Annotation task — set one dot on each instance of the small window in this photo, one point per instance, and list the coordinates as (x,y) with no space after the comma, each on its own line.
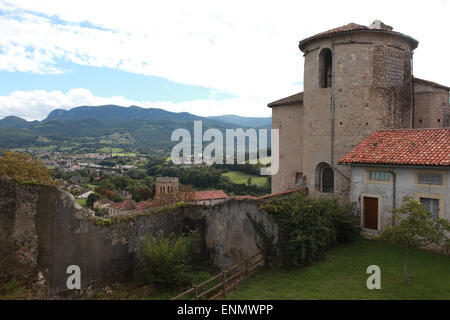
(379,175)
(327,180)
(431,178)
(431,205)
(325,68)
(324,178)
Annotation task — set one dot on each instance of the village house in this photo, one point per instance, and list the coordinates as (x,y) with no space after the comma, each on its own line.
(102,204)
(168,192)
(209,197)
(120,208)
(392,164)
(125,207)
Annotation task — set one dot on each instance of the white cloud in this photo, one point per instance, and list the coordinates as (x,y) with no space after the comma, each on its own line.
(246,48)
(36,104)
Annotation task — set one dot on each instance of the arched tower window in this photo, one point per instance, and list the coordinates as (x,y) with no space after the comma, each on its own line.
(324,178)
(325,68)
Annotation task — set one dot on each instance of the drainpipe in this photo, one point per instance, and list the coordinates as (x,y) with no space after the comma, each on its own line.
(394,191)
(332,102)
(412,91)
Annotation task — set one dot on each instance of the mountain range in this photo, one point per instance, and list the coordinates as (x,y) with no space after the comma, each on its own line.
(89,128)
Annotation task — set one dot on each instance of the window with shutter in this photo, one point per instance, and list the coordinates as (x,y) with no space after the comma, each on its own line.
(431,205)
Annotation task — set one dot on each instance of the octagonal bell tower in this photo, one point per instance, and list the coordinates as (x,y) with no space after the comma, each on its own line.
(357,80)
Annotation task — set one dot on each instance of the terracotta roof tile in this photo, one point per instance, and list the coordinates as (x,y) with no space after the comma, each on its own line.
(144,205)
(203,195)
(104,201)
(348,27)
(352,27)
(124,205)
(210,194)
(424,147)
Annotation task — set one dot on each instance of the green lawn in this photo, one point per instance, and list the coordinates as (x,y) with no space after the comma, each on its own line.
(342,275)
(242,177)
(81,202)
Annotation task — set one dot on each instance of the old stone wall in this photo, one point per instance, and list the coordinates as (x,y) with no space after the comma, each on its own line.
(372,91)
(431,105)
(43,231)
(289,121)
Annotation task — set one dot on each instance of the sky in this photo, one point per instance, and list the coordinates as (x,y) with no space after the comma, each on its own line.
(203,57)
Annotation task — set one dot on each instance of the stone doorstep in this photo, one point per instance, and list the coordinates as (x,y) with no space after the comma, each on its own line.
(368,233)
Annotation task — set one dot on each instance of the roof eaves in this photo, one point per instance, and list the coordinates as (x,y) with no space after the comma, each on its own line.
(290,100)
(302,43)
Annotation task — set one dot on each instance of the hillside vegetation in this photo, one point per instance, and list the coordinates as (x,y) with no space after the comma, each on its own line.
(133,129)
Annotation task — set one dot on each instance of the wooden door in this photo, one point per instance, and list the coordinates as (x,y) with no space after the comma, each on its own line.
(371,213)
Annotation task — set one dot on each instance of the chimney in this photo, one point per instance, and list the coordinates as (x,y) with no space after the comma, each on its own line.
(377,24)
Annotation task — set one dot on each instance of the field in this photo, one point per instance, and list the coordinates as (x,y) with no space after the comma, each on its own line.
(108,150)
(342,275)
(242,177)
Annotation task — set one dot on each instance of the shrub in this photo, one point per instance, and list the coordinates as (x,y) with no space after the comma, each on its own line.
(9,286)
(308,226)
(166,261)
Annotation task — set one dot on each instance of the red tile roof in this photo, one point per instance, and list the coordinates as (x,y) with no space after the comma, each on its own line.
(144,205)
(104,201)
(124,205)
(348,27)
(294,99)
(203,195)
(354,27)
(424,147)
(212,194)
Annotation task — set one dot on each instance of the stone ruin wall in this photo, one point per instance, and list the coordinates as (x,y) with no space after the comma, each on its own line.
(43,231)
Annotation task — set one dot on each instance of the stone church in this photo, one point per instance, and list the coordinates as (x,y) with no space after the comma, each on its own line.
(357,79)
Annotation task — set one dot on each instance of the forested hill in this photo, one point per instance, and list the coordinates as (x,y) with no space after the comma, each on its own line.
(89,128)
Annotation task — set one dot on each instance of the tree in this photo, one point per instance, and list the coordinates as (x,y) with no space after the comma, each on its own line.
(416,228)
(21,167)
(93,197)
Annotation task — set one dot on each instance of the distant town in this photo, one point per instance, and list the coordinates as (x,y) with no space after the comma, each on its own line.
(112,184)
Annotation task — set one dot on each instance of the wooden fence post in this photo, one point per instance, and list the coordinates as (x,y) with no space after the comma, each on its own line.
(196,292)
(224,284)
(246,269)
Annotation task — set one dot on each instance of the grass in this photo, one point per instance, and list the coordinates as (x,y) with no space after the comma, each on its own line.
(91,186)
(108,150)
(242,177)
(342,275)
(13,290)
(81,202)
(124,154)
